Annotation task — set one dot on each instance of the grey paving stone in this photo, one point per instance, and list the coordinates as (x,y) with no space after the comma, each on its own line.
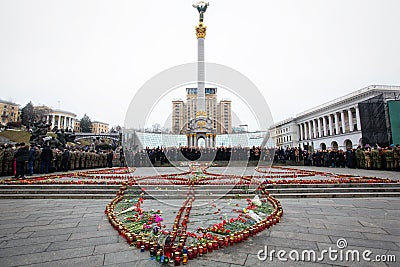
(253,260)
(381,237)
(137,263)
(337,233)
(124,256)
(36,240)
(82,243)
(47,256)
(25,224)
(8,231)
(206,261)
(96,260)
(291,228)
(368,243)
(91,234)
(356,229)
(48,227)
(68,231)
(227,256)
(15,236)
(113,247)
(21,250)
(292,243)
(300,236)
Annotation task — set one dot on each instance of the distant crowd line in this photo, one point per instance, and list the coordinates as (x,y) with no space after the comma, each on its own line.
(20,159)
(367,157)
(362,157)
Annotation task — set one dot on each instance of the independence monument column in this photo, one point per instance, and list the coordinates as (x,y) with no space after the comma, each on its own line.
(201,126)
(201,34)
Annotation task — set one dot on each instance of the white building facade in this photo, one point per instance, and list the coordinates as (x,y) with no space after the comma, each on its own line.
(285,133)
(336,124)
(61,119)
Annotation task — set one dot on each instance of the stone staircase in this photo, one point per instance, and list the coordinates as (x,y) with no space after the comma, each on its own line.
(202,192)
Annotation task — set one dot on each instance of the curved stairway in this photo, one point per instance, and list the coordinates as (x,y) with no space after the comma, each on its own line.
(212,191)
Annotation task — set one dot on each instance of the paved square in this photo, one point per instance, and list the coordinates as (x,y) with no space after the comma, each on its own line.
(76,233)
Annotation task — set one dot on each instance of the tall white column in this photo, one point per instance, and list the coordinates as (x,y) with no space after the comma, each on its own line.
(65,122)
(350,115)
(306,130)
(330,125)
(314,128)
(59,122)
(319,128)
(358,119)
(53,121)
(336,123)
(324,125)
(301,131)
(309,130)
(343,122)
(200,75)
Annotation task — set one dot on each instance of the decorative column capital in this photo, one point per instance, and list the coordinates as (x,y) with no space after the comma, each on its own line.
(201,31)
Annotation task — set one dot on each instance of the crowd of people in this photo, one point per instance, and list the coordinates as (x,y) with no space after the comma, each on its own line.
(363,157)
(367,157)
(20,159)
(164,155)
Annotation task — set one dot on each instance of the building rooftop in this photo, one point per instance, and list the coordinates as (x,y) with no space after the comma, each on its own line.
(8,102)
(354,94)
(100,122)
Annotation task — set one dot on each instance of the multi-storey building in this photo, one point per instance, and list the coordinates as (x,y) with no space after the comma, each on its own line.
(184,112)
(285,133)
(99,127)
(9,112)
(77,126)
(359,118)
(224,122)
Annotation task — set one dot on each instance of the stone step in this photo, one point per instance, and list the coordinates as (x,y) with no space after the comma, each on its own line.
(67,191)
(59,191)
(57,196)
(202,196)
(60,186)
(207,187)
(338,195)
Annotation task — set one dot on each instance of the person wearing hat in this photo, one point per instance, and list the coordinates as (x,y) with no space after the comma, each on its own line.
(31,159)
(21,157)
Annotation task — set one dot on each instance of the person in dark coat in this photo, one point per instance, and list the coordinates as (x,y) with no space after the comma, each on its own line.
(46,157)
(21,156)
(110,156)
(65,160)
(31,159)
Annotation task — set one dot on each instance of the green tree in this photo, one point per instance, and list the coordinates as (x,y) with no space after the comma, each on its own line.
(27,115)
(86,124)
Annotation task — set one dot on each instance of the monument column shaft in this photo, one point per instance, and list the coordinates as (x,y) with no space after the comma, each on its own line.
(200,75)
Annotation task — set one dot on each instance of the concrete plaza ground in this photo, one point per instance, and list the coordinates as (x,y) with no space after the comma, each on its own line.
(57,232)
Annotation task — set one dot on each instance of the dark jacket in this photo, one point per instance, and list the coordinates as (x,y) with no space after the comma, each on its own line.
(47,154)
(22,154)
(32,154)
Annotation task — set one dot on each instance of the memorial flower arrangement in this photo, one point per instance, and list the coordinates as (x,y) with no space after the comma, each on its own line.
(145,229)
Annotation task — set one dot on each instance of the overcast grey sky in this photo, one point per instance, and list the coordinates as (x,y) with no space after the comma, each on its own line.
(91,56)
